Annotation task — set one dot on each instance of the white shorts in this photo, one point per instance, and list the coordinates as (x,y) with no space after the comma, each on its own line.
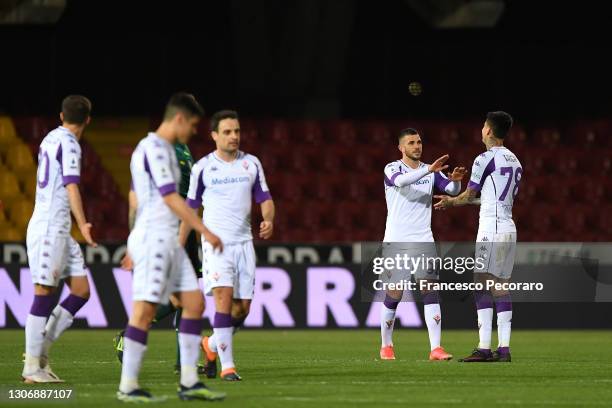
(53,257)
(234,267)
(161,267)
(498,251)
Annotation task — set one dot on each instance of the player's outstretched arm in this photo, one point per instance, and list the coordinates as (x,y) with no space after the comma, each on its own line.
(187,215)
(465,198)
(266,228)
(405,179)
(76,206)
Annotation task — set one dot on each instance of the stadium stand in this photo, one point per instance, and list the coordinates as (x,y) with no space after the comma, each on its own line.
(326,176)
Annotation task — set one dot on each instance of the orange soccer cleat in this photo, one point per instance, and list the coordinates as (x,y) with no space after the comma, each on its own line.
(440,355)
(210,355)
(387,353)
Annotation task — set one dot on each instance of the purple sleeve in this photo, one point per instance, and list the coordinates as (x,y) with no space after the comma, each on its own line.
(160,171)
(70,163)
(440,181)
(259,193)
(478,177)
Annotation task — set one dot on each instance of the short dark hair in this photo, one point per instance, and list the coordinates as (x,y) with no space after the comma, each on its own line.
(183,102)
(406,132)
(500,122)
(219,116)
(76,109)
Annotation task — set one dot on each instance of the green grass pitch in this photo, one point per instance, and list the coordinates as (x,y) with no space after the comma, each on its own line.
(340,368)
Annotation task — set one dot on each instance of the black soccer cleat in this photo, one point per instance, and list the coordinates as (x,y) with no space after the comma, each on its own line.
(199,392)
(230,375)
(138,396)
(477,356)
(209,369)
(498,357)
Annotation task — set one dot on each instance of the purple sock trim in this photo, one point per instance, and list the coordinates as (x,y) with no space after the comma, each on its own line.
(483,299)
(431,298)
(134,333)
(222,320)
(238,322)
(486,351)
(73,303)
(503,350)
(391,303)
(190,326)
(503,303)
(43,305)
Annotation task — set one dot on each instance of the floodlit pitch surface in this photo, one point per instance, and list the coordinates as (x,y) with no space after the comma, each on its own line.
(341,368)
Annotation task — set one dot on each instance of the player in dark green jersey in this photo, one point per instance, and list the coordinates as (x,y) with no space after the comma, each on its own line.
(185,160)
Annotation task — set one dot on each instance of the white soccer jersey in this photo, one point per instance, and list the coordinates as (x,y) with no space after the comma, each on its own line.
(155,173)
(59,164)
(225,190)
(496,173)
(409,206)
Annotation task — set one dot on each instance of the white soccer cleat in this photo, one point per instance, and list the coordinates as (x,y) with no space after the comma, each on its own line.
(47,369)
(41,376)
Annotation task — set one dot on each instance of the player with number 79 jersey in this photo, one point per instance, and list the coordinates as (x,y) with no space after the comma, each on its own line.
(496,174)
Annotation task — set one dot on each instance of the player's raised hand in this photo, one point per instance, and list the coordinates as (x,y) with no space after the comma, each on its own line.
(266,228)
(213,240)
(444,203)
(457,174)
(127,263)
(86,232)
(439,165)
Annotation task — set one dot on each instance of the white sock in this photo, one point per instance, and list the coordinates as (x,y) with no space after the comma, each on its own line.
(133,353)
(433,319)
(224,347)
(35,335)
(485,326)
(58,322)
(190,354)
(387,321)
(212,343)
(504,327)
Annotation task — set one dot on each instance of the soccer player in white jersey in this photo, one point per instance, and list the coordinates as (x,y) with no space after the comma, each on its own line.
(53,254)
(409,186)
(161,266)
(225,182)
(496,174)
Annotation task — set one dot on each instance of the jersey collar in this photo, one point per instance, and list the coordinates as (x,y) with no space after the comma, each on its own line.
(65,129)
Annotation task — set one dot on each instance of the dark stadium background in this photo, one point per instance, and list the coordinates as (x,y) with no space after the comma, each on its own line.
(323,87)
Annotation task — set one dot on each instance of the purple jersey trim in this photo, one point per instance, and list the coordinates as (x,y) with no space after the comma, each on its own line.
(487,171)
(167,189)
(200,188)
(393,177)
(71,180)
(259,194)
(440,181)
(194,203)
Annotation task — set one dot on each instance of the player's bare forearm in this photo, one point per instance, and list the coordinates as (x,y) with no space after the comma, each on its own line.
(76,203)
(465,198)
(184,230)
(268,210)
(189,217)
(266,227)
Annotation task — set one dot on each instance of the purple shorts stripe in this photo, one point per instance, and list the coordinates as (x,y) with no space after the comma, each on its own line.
(431,298)
(134,333)
(73,303)
(222,320)
(391,303)
(483,299)
(42,305)
(190,326)
(503,303)
(167,189)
